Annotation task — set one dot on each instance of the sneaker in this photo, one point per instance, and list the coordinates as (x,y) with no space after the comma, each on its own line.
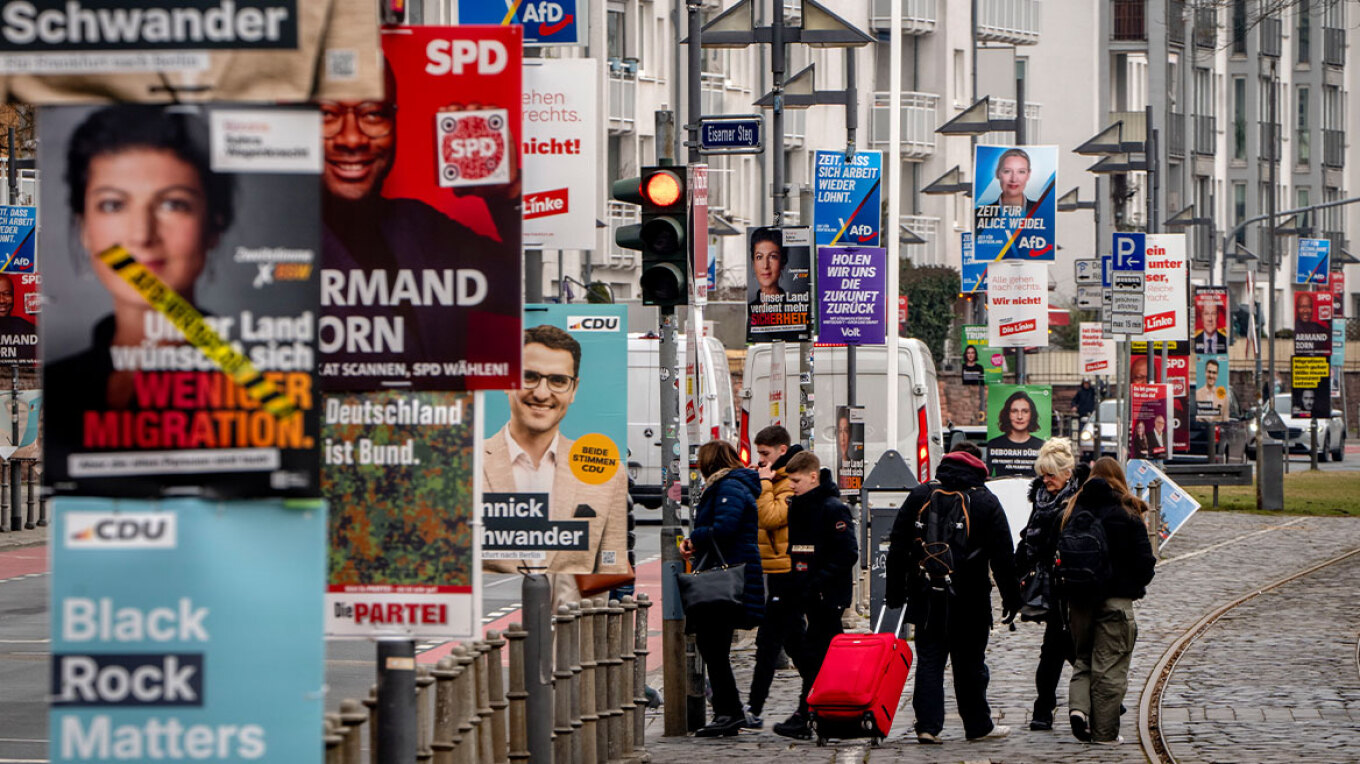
(1118,740)
(721,726)
(998,731)
(1080,730)
(797,727)
(753,721)
(1039,724)
(926,738)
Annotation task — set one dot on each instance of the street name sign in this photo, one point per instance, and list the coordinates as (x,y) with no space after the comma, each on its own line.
(730,135)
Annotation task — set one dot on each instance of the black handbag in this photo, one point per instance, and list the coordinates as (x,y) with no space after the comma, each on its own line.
(1036,595)
(710,591)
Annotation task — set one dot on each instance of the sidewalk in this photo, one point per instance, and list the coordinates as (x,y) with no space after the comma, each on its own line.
(1216,557)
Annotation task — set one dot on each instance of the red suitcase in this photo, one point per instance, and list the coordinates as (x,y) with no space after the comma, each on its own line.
(858,689)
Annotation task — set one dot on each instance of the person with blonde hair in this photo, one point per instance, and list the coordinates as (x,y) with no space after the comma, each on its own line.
(1102,624)
(1058,478)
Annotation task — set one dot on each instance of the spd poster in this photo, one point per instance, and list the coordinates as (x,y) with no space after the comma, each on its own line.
(778,284)
(1019,420)
(180,338)
(554,477)
(20,304)
(1150,435)
(421,286)
(1312,323)
(1014,204)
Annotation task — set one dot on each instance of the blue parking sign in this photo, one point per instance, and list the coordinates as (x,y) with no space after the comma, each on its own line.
(545,22)
(1313,261)
(1130,252)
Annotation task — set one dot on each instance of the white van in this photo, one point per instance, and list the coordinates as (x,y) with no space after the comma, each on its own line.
(717,414)
(920,438)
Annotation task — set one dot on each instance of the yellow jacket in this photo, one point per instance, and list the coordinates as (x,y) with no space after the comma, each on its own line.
(773,508)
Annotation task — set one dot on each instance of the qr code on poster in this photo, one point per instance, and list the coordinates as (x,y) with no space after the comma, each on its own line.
(608,557)
(342,64)
(473,147)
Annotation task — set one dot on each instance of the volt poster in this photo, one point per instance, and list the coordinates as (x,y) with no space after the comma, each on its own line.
(561,193)
(846,202)
(852,295)
(187,630)
(1015,208)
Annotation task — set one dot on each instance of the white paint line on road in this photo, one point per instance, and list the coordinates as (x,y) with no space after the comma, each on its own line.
(23,642)
(21,578)
(23,761)
(1221,544)
(22,740)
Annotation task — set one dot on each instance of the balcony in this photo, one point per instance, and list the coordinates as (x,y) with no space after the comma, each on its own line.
(1270,135)
(795,128)
(619,214)
(918,16)
(1337,238)
(918,124)
(1206,27)
(928,228)
(1334,148)
(1175,21)
(1015,22)
(622,100)
(1271,36)
(1130,20)
(1175,134)
(1334,47)
(1004,108)
(793,12)
(1205,129)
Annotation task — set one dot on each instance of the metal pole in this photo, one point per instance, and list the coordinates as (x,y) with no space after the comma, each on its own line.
(536,594)
(1272,254)
(695,90)
(12,168)
(851,104)
(396,701)
(673,617)
(777,70)
(533,275)
(16,489)
(893,162)
(1019,141)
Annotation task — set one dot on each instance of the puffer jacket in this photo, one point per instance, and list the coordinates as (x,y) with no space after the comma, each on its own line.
(1132,562)
(823,545)
(773,506)
(725,522)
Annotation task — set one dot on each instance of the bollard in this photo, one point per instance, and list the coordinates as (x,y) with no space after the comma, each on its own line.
(352,716)
(562,687)
(589,728)
(496,690)
(371,702)
(640,653)
(423,713)
(333,740)
(466,752)
(26,467)
(517,697)
(601,626)
(457,709)
(614,662)
(445,729)
(536,594)
(1155,516)
(627,656)
(574,655)
(484,702)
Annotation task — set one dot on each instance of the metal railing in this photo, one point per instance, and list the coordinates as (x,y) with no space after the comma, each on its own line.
(1271,36)
(1175,134)
(1009,21)
(918,16)
(1333,148)
(928,228)
(622,101)
(919,118)
(1334,47)
(1130,20)
(619,214)
(1004,108)
(1205,129)
(1206,27)
(466,712)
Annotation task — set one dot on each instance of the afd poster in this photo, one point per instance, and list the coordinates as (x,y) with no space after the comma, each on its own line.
(1014,204)
(1019,420)
(554,449)
(187,630)
(1150,435)
(1313,262)
(778,284)
(1017,305)
(852,299)
(399,472)
(846,201)
(20,305)
(422,284)
(561,190)
(974,271)
(18,239)
(545,22)
(180,335)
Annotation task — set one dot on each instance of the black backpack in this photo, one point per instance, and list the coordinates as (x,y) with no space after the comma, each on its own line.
(942,526)
(1081,567)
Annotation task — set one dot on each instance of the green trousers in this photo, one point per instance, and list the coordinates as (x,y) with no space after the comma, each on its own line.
(1103,636)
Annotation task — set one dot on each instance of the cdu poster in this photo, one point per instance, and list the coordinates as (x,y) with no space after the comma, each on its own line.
(1014,205)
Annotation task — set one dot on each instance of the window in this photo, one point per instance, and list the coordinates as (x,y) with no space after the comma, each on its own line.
(1240,118)
(1240,210)
(1303,35)
(1173,82)
(1302,145)
(1239,27)
(615,33)
(961,93)
(1301,196)
(1333,116)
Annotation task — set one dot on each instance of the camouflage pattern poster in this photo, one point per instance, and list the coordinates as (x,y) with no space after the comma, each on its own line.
(398,469)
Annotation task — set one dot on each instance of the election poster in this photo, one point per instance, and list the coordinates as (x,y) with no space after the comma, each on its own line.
(421,287)
(186,630)
(852,284)
(1338,341)
(974,339)
(180,338)
(1211,320)
(1177,505)
(1310,387)
(398,474)
(1312,323)
(25,410)
(20,304)
(1014,205)
(18,239)
(1337,285)
(1149,437)
(1164,288)
(554,478)
(1019,420)
(778,284)
(849,447)
(1211,387)
(974,272)
(1178,375)
(1313,262)
(561,194)
(1097,353)
(846,205)
(1017,302)
(545,22)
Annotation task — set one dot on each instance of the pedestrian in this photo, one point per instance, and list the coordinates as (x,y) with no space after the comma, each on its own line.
(823,550)
(1059,477)
(1102,622)
(946,536)
(1084,402)
(782,628)
(725,532)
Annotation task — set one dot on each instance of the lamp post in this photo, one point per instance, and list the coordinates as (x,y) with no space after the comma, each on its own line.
(1071,202)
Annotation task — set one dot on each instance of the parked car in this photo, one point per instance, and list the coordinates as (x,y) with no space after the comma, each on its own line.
(1331,433)
(1231,437)
(1109,431)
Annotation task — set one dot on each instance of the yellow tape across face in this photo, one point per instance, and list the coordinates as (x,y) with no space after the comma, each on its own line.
(190,322)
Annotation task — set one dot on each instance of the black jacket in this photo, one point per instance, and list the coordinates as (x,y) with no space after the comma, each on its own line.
(1039,539)
(822,545)
(989,534)
(725,523)
(1131,558)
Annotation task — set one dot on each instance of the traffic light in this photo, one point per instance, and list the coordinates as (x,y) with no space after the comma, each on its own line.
(394,12)
(663,234)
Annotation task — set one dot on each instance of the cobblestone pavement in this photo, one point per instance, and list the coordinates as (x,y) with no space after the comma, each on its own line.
(1303,704)
(1216,558)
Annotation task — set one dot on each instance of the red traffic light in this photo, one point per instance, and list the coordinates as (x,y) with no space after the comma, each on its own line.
(663,188)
